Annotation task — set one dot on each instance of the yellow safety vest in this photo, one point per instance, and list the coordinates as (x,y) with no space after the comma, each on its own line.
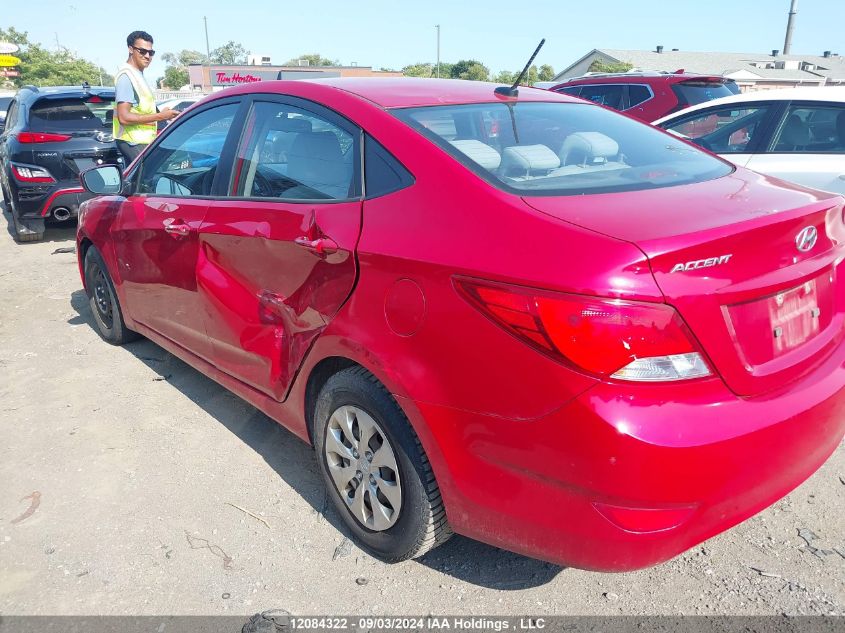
(135,133)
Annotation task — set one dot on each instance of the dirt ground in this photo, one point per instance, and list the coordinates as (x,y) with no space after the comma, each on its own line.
(158,492)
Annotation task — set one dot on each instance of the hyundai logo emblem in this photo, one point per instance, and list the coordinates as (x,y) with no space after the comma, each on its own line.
(806,239)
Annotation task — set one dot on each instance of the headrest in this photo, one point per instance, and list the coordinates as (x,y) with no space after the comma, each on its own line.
(479,152)
(795,132)
(314,158)
(587,148)
(285,124)
(529,157)
(840,126)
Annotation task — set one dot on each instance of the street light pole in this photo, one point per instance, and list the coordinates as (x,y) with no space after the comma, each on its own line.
(437,26)
(790,24)
(207,50)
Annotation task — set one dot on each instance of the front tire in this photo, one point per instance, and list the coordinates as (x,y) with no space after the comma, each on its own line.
(378,476)
(102,300)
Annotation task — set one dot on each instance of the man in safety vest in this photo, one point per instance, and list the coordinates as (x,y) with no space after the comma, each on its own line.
(135,115)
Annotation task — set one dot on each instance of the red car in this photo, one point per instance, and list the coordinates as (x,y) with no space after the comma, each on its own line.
(579,338)
(648,96)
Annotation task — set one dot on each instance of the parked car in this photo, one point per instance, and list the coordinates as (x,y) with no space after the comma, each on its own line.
(648,95)
(573,339)
(179,103)
(5,101)
(51,135)
(797,134)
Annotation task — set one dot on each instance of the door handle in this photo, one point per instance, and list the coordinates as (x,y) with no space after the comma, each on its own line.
(176,228)
(322,245)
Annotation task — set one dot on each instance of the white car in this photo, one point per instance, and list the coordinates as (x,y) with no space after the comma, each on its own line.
(179,103)
(797,134)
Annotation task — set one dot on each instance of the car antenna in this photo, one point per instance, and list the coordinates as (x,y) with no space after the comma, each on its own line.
(513,91)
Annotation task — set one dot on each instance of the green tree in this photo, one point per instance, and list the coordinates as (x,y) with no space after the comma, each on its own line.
(600,66)
(176,73)
(419,70)
(476,72)
(547,73)
(314,59)
(42,67)
(230,53)
(175,77)
(460,67)
(505,77)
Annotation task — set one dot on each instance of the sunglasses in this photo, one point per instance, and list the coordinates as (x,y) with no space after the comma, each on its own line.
(146,52)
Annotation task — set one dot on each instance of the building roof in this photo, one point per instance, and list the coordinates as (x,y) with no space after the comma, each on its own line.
(744,65)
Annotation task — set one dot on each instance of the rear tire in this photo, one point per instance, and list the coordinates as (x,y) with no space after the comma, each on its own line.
(377,474)
(102,300)
(27,230)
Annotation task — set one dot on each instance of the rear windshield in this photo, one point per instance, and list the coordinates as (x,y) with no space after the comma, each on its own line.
(561,148)
(693,92)
(71,114)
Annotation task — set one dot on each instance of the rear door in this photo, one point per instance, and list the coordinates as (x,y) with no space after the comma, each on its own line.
(278,255)
(156,235)
(808,147)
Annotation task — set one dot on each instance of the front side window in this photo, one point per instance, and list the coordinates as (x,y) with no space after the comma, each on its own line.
(608,95)
(561,148)
(294,154)
(185,161)
(812,129)
(725,130)
(570,90)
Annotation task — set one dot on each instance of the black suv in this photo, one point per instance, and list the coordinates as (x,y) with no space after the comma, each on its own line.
(50,136)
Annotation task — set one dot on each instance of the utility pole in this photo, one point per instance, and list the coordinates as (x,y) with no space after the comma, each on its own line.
(437,26)
(207,50)
(787,43)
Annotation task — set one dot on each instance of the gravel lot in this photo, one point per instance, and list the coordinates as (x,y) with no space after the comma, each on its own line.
(146,476)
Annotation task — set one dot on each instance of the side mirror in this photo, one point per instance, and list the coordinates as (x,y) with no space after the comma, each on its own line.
(104,180)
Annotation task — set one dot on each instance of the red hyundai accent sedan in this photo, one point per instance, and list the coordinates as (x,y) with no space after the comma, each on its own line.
(527,319)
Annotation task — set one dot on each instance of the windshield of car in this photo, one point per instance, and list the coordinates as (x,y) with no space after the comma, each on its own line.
(693,92)
(71,114)
(561,148)
(4,105)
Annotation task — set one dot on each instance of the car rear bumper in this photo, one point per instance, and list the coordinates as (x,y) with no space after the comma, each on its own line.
(40,201)
(625,477)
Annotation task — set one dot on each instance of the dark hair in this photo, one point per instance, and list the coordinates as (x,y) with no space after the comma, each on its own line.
(138,35)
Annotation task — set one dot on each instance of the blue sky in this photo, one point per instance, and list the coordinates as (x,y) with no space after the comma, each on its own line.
(381,33)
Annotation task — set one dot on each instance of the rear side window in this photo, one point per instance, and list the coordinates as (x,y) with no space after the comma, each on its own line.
(693,92)
(812,129)
(609,95)
(637,94)
(539,148)
(383,174)
(71,114)
(294,154)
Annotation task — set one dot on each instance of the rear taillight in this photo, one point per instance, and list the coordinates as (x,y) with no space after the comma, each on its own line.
(611,338)
(41,137)
(31,174)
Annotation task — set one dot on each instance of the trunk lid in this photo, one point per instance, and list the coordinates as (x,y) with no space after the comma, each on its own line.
(726,255)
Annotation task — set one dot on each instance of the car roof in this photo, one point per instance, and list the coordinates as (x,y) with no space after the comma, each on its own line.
(33,92)
(403,92)
(639,77)
(832,93)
